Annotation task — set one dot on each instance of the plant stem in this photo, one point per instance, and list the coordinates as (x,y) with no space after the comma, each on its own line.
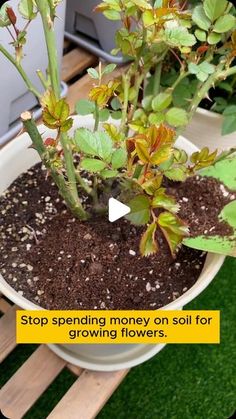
(182,76)
(21,71)
(67,190)
(96,123)
(126,85)
(157,79)
(70,172)
(50,39)
(83,184)
(201,93)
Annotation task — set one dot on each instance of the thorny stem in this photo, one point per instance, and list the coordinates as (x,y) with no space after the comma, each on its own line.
(96,115)
(20,69)
(50,39)
(157,79)
(126,84)
(202,92)
(68,189)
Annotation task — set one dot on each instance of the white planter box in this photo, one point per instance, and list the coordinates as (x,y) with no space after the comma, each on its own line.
(205,130)
(16,158)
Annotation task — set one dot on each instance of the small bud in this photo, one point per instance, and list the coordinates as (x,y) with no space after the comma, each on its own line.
(49,142)
(11,15)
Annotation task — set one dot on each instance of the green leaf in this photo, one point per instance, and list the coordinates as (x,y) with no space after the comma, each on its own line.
(108,69)
(140,210)
(173,229)
(148,244)
(104,115)
(177,117)
(95,144)
(116,115)
(193,68)
(181,95)
(229,124)
(230,110)
(161,200)
(61,110)
(224,171)
(142,4)
(201,35)
(178,174)
(214,8)
(214,38)
(112,14)
(26,9)
(147,102)
(67,125)
(119,158)
(224,24)
(202,76)
(206,67)
(156,118)
(4,20)
(115,104)
(225,245)
(180,37)
(85,107)
(93,73)
(92,165)
(200,18)
(108,174)
(161,101)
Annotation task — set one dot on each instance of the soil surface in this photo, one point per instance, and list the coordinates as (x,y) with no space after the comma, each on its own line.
(58,262)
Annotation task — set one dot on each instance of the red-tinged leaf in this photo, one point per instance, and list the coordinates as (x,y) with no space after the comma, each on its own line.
(142,150)
(148,244)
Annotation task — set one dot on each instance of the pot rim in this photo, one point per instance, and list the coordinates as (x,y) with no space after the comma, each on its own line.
(209,114)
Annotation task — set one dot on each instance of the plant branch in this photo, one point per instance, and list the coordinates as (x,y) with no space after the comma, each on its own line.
(21,71)
(50,39)
(126,85)
(157,78)
(66,190)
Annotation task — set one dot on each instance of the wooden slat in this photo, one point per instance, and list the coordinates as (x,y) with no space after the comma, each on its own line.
(74,369)
(29,382)
(4,305)
(75,62)
(88,395)
(7,333)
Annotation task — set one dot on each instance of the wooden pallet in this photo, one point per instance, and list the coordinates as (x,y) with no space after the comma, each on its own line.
(91,390)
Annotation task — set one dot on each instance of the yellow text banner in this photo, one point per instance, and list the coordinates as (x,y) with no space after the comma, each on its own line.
(118,327)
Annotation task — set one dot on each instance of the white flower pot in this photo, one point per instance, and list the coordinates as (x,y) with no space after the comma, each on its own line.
(205,130)
(15,158)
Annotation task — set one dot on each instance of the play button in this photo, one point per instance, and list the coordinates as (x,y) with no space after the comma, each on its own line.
(117,210)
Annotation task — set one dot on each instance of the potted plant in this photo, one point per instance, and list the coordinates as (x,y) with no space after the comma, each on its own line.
(215,116)
(58,249)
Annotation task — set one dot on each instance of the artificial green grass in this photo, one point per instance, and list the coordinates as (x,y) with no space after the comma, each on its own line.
(181,382)
(187,381)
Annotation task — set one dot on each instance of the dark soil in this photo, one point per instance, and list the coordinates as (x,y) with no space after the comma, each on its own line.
(60,263)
